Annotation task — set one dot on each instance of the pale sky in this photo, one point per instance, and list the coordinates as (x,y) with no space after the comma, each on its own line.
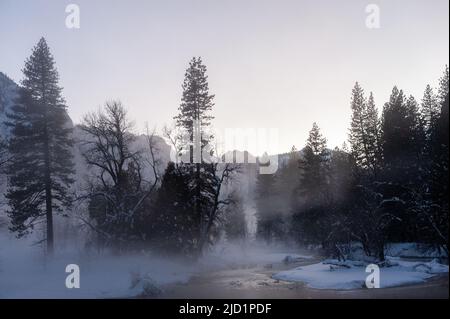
(271,64)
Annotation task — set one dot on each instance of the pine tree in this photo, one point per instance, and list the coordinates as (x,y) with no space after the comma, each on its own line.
(171,227)
(314,166)
(41,166)
(443,87)
(194,117)
(309,217)
(374,134)
(435,208)
(430,109)
(196,102)
(365,131)
(402,136)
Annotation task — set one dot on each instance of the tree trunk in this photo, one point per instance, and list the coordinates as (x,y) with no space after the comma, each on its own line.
(49,215)
(48,196)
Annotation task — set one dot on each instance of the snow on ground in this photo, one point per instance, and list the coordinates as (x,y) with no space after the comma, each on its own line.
(25,273)
(413,250)
(331,274)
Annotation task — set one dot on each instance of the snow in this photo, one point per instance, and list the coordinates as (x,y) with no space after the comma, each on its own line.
(332,274)
(413,250)
(25,273)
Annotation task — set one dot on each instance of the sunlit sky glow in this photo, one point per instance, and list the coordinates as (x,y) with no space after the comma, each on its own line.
(281,64)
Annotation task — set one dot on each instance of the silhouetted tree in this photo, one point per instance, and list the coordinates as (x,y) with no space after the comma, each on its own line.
(365,132)
(401,141)
(309,218)
(170,226)
(40,168)
(117,190)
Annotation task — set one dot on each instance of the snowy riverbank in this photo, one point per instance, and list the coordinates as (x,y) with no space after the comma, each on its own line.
(332,274)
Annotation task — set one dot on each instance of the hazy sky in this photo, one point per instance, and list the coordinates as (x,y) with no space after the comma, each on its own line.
(281,64)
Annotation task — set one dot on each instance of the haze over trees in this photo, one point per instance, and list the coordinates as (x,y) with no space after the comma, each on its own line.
(390,184)
(388,187)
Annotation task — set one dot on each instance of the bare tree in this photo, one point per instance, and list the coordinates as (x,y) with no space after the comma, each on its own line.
(221,174)
(119,188)
(173,136)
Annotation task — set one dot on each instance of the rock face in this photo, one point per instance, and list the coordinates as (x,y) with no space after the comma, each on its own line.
(8,92)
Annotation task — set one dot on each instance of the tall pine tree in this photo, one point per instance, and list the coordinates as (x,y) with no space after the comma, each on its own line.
(402,132)
(443,87)
(196,102)
(430,109)
(374,134)
(315,166)
(194,117)
(39,173)
(365,131)
(309,218)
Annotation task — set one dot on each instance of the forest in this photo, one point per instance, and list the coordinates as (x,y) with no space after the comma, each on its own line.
(388,183)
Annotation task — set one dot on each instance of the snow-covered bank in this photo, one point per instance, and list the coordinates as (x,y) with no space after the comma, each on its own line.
(25,272)
(414,250)
(352,275)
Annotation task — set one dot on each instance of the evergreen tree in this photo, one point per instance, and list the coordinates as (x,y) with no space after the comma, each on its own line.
(196,102)
(314,164)
(430,109)
(309,219)
(170,226)
(374,134)
(434,209)
(365,131)
(39,173)
(338,213)
(443,87)
(206,176)
(194,117)
(401,136)
(418,131)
